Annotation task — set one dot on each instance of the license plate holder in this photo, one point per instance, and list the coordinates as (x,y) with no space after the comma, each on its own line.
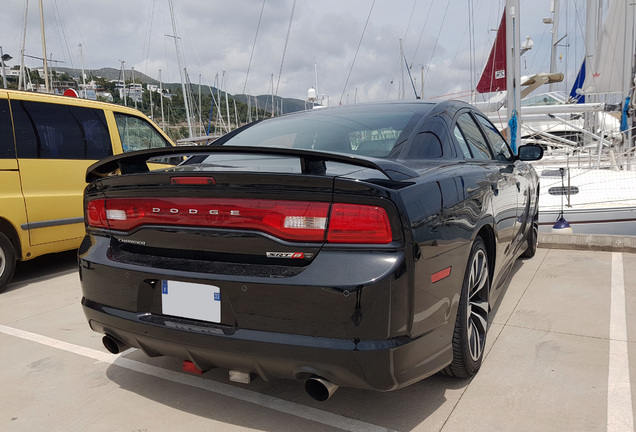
(191,300)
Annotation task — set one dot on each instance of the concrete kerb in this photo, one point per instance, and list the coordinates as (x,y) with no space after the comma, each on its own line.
(592,242)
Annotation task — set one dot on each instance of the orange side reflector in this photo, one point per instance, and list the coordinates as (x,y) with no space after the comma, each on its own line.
(442,274)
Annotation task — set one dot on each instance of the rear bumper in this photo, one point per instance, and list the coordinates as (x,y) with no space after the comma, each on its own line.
(344,318)
(378,365)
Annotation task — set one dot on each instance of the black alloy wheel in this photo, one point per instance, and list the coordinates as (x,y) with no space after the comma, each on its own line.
(469,337)
(7,261)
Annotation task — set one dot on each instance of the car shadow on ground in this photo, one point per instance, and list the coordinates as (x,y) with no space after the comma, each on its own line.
(46,266)
(402,409)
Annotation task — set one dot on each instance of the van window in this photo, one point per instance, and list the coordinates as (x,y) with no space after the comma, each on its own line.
(7,146)
(55,131)
(138,134)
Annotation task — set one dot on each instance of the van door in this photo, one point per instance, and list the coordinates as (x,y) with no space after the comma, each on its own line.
(55,143)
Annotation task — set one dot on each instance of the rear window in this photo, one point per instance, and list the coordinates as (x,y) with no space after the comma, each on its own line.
(367,131)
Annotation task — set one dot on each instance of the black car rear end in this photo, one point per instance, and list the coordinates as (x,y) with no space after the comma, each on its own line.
(288,274)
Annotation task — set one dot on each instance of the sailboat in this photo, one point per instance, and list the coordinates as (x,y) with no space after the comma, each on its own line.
(595,177)
(586,174)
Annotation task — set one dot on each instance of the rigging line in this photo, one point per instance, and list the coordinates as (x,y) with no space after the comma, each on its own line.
(437,40)
(408,26)
(77,27)
(282,61)
(62,36)
(422,32)
(205,77)
(258,26)
(356,54)
(455,58)
(146,53)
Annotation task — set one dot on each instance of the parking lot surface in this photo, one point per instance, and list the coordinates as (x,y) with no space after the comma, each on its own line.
(560,357)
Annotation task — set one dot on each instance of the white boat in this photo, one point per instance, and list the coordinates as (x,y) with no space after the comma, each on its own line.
(597,193)
(592,200)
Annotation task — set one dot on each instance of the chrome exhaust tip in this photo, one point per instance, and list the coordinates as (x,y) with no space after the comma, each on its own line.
(320,389)
(113,345)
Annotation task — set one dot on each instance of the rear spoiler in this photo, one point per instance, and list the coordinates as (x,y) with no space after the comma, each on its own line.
(311,162)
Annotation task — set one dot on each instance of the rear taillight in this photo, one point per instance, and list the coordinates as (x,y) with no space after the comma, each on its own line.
(353,223)
(288,220)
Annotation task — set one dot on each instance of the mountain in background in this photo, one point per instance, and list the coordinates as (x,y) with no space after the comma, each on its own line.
(264,101)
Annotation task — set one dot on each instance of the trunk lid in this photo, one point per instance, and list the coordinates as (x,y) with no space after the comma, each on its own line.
(244,211)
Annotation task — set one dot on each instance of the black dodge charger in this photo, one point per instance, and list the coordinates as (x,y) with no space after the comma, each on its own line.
(360,246)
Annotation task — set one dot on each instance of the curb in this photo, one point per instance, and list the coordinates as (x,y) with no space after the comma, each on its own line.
(591,242)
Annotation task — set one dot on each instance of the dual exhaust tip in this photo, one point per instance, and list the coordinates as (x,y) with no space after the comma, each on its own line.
(318,388)
(114,346)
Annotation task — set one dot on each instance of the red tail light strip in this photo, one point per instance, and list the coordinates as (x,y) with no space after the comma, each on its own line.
(288,220)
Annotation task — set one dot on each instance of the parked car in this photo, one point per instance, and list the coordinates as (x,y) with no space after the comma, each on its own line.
(46,144)
(360,246)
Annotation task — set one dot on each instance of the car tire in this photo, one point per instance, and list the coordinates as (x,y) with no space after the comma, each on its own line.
(469,336)
(7,261)
(533,239)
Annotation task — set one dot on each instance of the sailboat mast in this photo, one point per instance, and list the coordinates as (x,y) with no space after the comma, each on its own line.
(183,88)
(21,79)
(83,73)
(163,120)
(513,66)
(200,115)
(555,39)
(46,66)
(227,104)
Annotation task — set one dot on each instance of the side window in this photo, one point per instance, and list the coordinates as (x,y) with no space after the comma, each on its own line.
(7,146)
(462,142)
(432,143)
(498,143)
(137,134)
(55,131)
(473,136)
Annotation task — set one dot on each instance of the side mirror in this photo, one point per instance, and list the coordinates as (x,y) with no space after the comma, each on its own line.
(530,152)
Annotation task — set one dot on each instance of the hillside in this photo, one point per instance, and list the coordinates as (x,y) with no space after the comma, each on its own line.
(110,74)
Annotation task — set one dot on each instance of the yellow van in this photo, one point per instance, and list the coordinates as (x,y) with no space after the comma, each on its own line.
(46,144)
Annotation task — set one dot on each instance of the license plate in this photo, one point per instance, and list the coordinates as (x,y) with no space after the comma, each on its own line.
(191,300)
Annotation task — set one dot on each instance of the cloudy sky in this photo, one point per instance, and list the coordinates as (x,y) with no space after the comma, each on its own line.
(319,42)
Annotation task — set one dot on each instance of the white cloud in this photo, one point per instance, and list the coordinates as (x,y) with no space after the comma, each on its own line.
(218,35)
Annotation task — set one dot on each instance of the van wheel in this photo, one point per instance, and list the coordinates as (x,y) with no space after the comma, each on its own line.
(469,337)
(7,261)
